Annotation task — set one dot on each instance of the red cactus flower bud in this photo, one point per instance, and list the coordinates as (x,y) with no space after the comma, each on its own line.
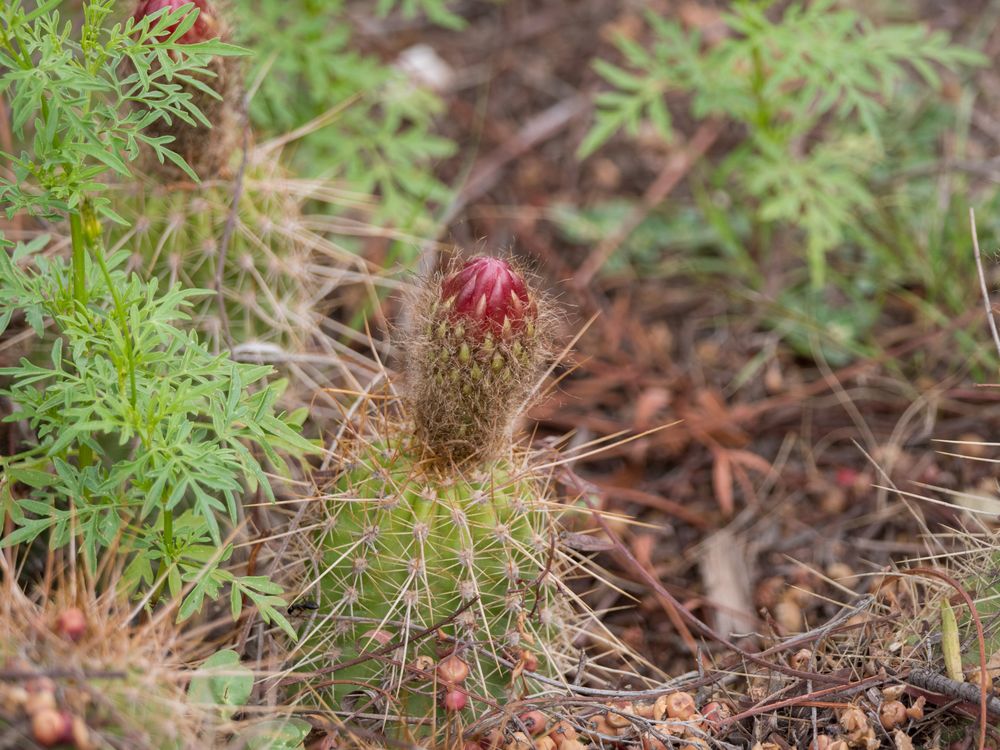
(490,294)
(205,26)
(71,623)
(455,700)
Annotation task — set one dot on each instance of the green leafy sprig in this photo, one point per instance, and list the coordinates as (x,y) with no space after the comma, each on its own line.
(812,86)
(80,101)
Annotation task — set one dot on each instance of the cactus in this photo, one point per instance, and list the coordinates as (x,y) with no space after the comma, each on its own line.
(83,677)
(275,262)
(206,150)
(279,263)
(409,544)
(440,550)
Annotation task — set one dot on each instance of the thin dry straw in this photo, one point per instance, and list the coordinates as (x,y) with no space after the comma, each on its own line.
(982,281)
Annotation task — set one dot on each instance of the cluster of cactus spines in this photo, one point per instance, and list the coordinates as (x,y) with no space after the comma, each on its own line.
(206,150)
(275,261)
(480,336)
(84,677)
(406,547)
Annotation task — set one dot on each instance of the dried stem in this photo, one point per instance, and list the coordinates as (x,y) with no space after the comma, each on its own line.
(982,281)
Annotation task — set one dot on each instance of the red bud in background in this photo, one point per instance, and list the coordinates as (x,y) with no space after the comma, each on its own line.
(217,95)
(205,26)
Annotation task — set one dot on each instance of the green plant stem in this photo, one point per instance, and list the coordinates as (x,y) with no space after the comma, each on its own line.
(168,546)
(168,531)
(85,455)
(79,258)
(758,82)
(93,242)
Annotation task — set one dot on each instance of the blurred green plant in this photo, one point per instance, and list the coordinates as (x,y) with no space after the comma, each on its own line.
(308,64)
(435,10)
(143,440)
(811,85)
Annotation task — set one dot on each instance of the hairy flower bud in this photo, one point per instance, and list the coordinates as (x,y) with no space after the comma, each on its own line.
(205,27)
(490,296)
(482,333)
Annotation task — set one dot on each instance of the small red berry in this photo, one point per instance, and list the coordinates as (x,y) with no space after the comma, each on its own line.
(205,26)
(488,293)
(846,477)
(535,721)
(455,700)
(51,727)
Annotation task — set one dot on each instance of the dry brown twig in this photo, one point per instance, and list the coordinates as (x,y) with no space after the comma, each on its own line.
(982,281)
(676,167)
(984,680)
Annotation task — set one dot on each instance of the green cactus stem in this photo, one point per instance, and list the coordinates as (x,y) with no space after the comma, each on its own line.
(407,548)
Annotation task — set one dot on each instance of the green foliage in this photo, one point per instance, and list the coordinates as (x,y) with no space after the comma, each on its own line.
(435,10)
(812,86)
(80,102)
(222,681)
(276,734)
(682,229)
(136,421)
(144,441)
(382,141)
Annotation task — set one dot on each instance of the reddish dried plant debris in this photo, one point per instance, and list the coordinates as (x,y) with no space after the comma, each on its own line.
(72,623)
(452,670)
